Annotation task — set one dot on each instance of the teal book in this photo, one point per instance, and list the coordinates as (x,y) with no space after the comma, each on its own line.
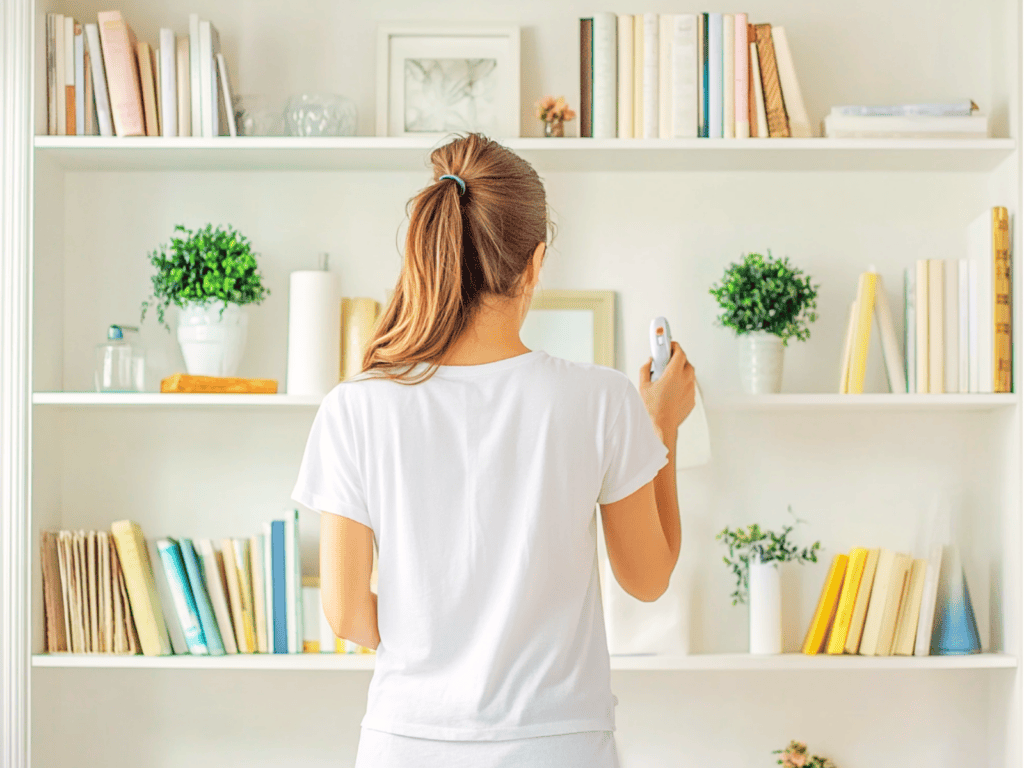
(201,595)
(181,595)
(955,631)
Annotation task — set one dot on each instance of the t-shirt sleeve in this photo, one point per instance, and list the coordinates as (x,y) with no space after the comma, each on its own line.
(633,451)
(329,477)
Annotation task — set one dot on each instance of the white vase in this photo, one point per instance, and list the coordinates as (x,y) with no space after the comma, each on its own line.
(211,342)
(765,603)
(761,363)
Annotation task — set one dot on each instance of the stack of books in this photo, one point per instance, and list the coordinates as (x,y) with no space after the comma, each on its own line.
(101,81)
(955,120)
(957,320)
(685,75)
(879,602)
(118,593)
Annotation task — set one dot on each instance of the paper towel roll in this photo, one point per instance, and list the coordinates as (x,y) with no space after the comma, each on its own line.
(314,301)
(357,320)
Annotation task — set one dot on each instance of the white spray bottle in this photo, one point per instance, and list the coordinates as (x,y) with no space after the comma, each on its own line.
(693,444)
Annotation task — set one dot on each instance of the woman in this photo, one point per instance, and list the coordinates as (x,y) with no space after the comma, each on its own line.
(476,463)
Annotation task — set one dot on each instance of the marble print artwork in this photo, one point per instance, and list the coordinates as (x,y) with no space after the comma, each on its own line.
(451,95)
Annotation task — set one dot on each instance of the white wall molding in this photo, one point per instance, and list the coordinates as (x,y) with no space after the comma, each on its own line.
(16,79)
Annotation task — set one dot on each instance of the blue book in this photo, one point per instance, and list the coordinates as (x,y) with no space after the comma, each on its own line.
(278,573)
(715,75)
(201,593)
(181,595)
(704,75)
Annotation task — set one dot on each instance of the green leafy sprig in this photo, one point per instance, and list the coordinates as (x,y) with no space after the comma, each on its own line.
(767,294)
(753,544)
(210,264)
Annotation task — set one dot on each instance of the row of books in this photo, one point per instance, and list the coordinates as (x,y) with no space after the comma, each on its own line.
(957,320)
(879,602)
(953,120)
(115,593)
(101,81)
(686,75)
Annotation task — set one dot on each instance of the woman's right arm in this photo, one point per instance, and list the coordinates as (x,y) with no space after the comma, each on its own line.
(642,530)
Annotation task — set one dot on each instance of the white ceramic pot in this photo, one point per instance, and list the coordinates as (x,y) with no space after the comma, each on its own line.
(765,603)
(212,343)
(761,363)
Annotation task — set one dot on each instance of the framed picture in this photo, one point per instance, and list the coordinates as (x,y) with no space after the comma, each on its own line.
(434,80)
(575,325)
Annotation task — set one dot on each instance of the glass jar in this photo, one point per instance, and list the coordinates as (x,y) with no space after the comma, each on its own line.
(120,363)
(320,114)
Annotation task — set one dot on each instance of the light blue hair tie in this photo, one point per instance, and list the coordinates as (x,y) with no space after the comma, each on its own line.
(457,180)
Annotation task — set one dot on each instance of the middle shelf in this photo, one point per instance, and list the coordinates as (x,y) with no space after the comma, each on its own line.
(722,662)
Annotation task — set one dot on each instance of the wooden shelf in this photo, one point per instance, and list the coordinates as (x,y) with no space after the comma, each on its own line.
(257,153)
(723,662)
(785,402)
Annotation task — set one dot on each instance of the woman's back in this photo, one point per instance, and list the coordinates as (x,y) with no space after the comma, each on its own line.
(480,485)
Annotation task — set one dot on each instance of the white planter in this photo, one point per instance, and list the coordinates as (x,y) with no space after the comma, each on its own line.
(212,343)
(765,603)
(761,363)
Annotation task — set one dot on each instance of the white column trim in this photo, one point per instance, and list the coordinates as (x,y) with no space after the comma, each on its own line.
(16,168)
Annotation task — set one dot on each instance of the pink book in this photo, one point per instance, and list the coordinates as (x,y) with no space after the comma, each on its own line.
(742,75)
(118,43)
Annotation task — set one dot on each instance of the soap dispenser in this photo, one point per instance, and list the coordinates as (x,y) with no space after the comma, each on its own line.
(120,362)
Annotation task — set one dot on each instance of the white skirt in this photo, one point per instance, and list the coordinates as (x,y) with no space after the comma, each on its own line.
(588,749)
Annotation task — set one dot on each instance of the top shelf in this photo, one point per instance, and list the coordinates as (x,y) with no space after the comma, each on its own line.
(355,153)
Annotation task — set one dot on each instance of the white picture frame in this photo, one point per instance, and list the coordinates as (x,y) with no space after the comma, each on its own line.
(574,325)
(412,59)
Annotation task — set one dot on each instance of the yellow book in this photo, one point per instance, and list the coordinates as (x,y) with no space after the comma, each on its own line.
(860,607)
(818,630)
(847,600)
(862,336)
(1003,296)
(851,330)
(141,588)
(244,571)
(638,76)
(897,594)
(234,594)
(910,609)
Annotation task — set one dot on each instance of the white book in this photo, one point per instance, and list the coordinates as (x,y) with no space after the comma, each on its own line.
(183,81)
(792,97)
(665,33)
(268,585)
(650,76)
(207,79)
(953,108)
(69,63)
(979,238)
(257,565)
(741,69)
(714,75)
(218,594)
(99,80)
(79,81)
(972,324)
(603,106)
(624,77)
(60,74)
(952,332)
(890,344)
(963,332)
(684,76)
(195,73)
(755,71)
(226,91)
(292,582)
(924,126)
(921,307)
(729,76)
(163,591)
(909,330)
(168,83)
(926,617)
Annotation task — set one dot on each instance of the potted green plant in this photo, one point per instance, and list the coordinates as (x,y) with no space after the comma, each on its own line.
(767,302)
(754,557)
(210,275)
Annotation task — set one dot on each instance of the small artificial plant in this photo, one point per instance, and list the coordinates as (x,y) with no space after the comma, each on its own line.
(767,294)
(755,545)
(210,264)
(553,110)
(795,756)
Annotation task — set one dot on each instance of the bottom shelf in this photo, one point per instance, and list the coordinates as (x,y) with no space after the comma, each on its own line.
(694,662)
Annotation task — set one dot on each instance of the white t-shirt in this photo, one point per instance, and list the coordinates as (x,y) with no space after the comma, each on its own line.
(480,486)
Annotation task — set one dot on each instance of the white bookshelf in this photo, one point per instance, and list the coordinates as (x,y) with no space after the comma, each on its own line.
(657,221)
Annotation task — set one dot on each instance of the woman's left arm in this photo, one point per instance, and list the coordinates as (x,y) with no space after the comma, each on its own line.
(346,562)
